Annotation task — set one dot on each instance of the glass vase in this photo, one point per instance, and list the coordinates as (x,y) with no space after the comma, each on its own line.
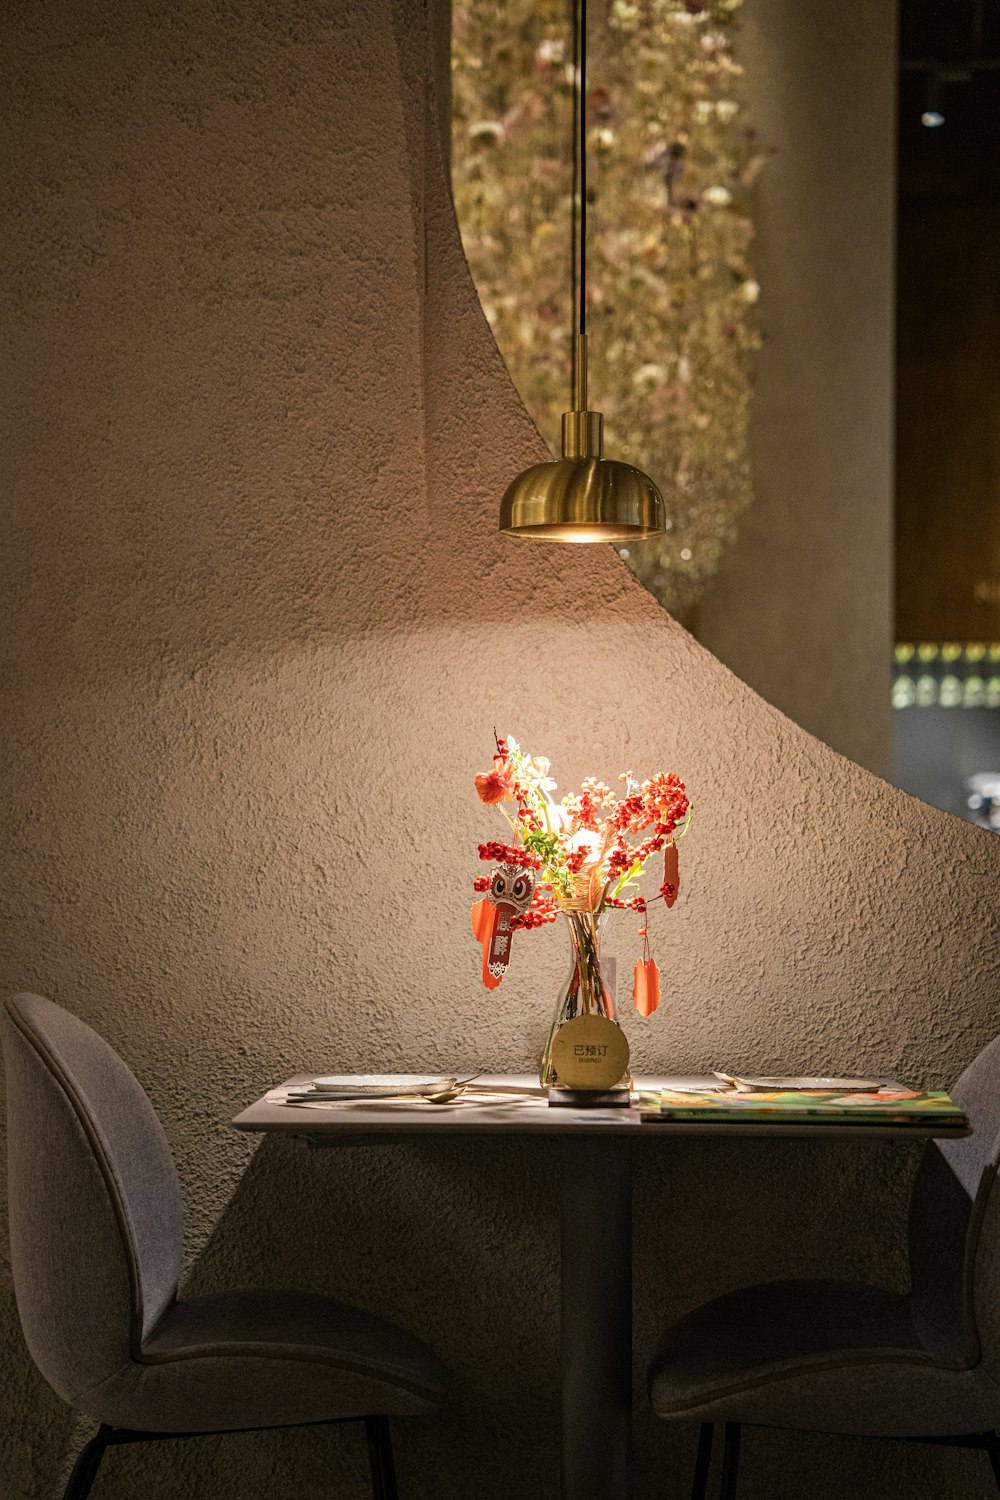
(585,992)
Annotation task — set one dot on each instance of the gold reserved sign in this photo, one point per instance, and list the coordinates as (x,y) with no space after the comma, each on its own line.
(590,1052)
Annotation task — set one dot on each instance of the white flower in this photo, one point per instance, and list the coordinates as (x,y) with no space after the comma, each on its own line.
(536,773)
(717,195)
(750,291)
(590,843)
(559,818)
(726,109)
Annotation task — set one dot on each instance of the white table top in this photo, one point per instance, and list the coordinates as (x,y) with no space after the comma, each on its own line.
(376,1119)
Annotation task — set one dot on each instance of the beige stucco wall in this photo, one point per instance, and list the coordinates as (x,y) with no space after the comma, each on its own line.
(802,606)
(259,628)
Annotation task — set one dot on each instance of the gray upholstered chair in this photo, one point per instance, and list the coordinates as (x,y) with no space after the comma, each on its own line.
(831,1356)
(96,1226)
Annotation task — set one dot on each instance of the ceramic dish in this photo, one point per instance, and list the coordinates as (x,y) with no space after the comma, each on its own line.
(803,1085)
(381,1085)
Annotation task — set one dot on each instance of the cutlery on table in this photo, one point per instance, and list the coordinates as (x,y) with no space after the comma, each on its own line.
(442,1096)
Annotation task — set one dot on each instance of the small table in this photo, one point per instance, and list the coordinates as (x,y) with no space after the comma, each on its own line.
(596,1230)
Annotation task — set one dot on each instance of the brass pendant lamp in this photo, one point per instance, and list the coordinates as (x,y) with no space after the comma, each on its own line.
(583,496)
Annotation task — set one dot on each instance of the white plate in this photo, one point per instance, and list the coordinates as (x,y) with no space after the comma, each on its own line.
(381,1085)
(806,1085)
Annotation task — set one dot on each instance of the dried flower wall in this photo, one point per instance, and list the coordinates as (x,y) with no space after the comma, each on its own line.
(670,289)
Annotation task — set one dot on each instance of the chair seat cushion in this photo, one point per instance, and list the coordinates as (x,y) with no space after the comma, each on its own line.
(822,1355)
(267,1358)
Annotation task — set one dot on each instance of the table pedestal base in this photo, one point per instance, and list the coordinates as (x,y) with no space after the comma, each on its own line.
(596,1319)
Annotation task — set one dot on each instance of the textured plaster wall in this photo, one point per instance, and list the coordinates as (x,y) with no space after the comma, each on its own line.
(259,628)
(802,607)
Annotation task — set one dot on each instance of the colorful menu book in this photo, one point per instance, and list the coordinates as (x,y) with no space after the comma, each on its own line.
(788,1107)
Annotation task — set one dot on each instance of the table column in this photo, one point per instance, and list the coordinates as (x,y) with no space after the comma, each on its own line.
(596,1289)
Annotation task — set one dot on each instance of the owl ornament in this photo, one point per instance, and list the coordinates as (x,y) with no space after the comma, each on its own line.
(510,894)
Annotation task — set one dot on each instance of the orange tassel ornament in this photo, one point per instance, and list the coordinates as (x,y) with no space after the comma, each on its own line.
(484,916)
(646,986)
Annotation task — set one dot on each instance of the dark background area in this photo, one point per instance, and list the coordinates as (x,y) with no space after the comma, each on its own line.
(948,397)
(948,371)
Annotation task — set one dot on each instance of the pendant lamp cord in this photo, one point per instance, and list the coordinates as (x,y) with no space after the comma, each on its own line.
(582,28)
(578,216)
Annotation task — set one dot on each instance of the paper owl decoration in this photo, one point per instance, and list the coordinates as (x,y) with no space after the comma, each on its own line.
(494,919)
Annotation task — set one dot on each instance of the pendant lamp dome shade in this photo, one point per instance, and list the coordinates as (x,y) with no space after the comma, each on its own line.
(582,500)
(583,496)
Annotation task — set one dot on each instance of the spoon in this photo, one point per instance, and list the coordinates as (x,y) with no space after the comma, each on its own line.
(453,1090)
(456,1090)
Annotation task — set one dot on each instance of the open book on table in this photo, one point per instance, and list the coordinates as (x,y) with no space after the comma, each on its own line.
(900,1107)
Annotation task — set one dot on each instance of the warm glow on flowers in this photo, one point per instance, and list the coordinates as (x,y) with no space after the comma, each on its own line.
(593,845)
(576,857)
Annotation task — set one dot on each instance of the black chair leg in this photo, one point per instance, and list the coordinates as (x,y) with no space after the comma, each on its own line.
(730,1461)
(87,1464)
(699,1488)
(992,1446)
(380,1457)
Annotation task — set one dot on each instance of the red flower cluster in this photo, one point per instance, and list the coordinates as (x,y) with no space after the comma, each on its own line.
(543,909)
(529,919)
(665,792)
(631,816)
(662,800)
(509,854)
(636,814)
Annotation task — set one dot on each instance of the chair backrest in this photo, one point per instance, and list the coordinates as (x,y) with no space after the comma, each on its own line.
(96,1220)
(955,1223)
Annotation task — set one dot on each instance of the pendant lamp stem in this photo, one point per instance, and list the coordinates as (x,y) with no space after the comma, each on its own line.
(574,200)
(580,382)
(578,217)
(582,430)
